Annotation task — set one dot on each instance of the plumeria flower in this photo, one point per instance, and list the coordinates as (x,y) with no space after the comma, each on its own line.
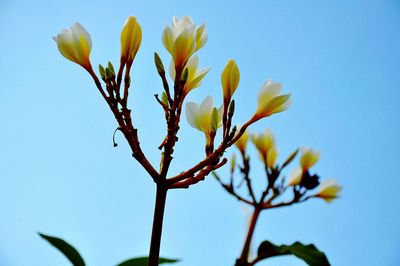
(131,37)
(329,190)
(230,78)
(295,177)
(183,38)
(270,100)
(241,143)
(206,118)
(308,158)
(195,75)
(264,142)
(75,45)
(272,156)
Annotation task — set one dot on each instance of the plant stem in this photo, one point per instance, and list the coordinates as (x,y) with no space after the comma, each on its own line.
(242,261)
(159,208)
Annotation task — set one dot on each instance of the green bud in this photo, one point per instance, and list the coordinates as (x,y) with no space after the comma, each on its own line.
(159,64)
(102,72)
(111,68)
(214,119)
(108,74)
(164,98)
(290,158)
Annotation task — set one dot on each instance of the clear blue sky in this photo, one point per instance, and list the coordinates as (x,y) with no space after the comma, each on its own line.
(60,174)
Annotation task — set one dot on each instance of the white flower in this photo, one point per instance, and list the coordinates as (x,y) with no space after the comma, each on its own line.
(295,177)
(308,158)
(270,100)
(204,117)
(263,141)
(195,75)
(183,38)
(75,45)
(329,190)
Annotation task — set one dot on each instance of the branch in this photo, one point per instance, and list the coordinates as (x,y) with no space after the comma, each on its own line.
(199,177)
(230,189)
(209,160)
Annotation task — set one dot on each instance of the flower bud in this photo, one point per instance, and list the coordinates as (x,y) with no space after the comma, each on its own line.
(233,163)
(308,158)
(75,45)
(264,142)
(329,190)
(194,76)
(131,37)
(295,177)
(270,101)
(241,143)
(272,156)
(230,80)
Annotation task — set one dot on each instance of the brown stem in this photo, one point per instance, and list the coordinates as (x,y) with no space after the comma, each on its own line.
(242,261)
(159,208)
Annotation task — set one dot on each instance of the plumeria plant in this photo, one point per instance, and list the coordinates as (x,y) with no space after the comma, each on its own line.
(301,184)
(182,40)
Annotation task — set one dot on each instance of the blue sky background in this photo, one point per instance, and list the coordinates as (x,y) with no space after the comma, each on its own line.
(60,174)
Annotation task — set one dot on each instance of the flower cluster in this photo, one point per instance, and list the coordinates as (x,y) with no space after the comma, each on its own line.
(182,40)
(301,181)
(273,195)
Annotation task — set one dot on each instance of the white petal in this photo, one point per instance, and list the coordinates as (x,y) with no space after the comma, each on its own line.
(269,90)
(192,115)
(207,105)
(172,70)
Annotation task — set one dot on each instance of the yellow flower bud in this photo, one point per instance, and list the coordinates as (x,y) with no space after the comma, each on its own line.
(183,38)
(295,177)
(329,190)
(241,143)
(308,158)
(270,101)
(195,75)
(131,37)
(263,142)
(230,80)
(272,156)
(75,45)
(233,163)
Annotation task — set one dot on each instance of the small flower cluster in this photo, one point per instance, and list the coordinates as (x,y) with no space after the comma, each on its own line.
(300,181)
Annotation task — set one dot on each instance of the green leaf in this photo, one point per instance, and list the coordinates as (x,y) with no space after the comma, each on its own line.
(69,251)
(290,158)
(142,261)
(308,253)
